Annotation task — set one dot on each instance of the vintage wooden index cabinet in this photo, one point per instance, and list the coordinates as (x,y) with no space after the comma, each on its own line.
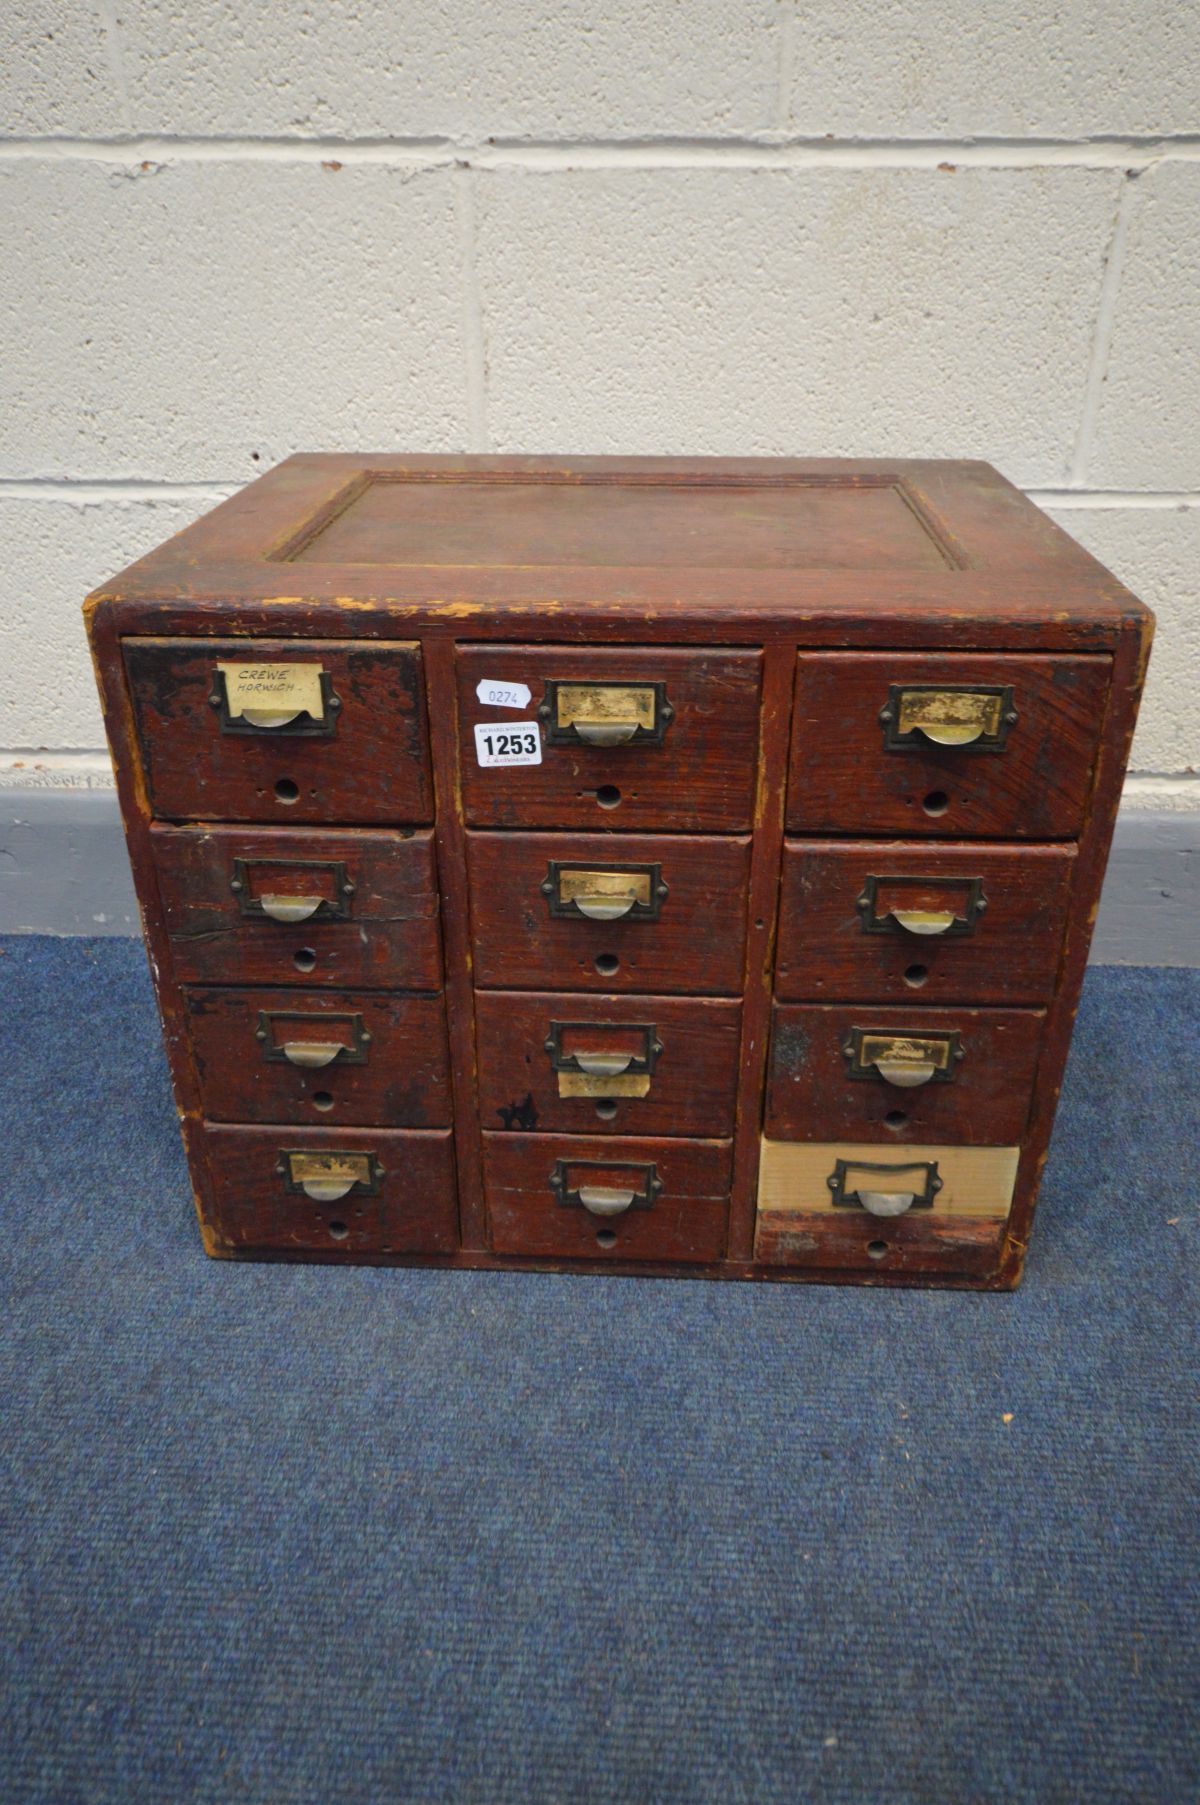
(667,866)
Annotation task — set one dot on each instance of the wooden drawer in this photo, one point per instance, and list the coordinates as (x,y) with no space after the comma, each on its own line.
(810,1209)
(684,928)
(552,1196)
(398,1192)
(608,1064)
(860,764)
(689,762)
(320,1056)
(367,905)
(872,921)
(209,754)
(893,1075)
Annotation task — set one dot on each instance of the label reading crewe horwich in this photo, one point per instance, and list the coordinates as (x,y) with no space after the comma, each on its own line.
(516,743)
(283,690)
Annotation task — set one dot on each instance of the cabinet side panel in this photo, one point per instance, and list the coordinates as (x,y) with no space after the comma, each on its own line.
(117,706)
(1116,736)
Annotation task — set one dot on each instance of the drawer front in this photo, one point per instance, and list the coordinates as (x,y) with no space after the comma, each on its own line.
(281,730)
(571,1197)
(279,905)
(823,1205)
(894,1075)
(607,1065)
(871,921)
(321,1056)
(944,744)
(608,912)
(354,1192)
(630,738)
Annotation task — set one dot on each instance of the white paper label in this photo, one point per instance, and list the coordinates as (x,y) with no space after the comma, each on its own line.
(514,743)
(285,690)
(502,695)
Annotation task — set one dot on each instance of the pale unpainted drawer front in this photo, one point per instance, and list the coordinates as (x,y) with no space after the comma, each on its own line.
(282,730)
(341,1191)
(322,1056)
(575,1197)
(609,912)
(888,921)
(817,1205)
(946,744)
(574,1063)
(314,907)
(881,1073)
(632,737)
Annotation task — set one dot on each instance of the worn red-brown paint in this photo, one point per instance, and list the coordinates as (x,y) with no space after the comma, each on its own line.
(777,601)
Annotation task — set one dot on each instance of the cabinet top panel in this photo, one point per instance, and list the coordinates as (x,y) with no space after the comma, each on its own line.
(893,551)
(597,521)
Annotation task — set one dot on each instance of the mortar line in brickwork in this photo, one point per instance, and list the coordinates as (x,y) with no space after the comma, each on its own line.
(1102,335)
(114,51)
(474,337)
(1167,500)
(82,490)
(770,151)
(78,490)
(785,69)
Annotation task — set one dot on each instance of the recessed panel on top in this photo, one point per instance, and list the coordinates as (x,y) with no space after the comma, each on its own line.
(869,523)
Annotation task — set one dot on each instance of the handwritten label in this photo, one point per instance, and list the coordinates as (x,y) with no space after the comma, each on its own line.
(502,695)
(516,743)
(275,691)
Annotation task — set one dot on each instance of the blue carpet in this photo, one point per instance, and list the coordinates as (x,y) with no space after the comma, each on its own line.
(299,1534)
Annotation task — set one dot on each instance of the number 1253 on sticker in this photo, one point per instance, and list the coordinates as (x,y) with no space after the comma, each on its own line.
(515,743)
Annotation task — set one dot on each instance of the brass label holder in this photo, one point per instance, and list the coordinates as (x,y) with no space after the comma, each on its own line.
(973,717)
(600,1072)
(849,1193)
(602,1198)
(604,714)
(328,1177)
(306,1049)
(604,892)
(920,919)
(905,1060)
(274,698)
(291,902)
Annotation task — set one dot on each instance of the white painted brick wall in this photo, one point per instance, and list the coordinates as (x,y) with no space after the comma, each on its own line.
(564,69)
(238,228)
(794,311)
(1148,425)
(174,322)
(53,548)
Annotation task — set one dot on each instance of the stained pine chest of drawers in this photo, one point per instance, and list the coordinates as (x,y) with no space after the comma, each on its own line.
(672,866)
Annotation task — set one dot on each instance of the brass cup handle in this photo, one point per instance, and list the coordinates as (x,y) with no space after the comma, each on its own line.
(950,733)
(311,1053)
(290,908)
(605,1200)
(604,908)
(604,1065)
(326,1190)
(271,717)
(606,733)
(905,1074)
(924,921)
(886,1203)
